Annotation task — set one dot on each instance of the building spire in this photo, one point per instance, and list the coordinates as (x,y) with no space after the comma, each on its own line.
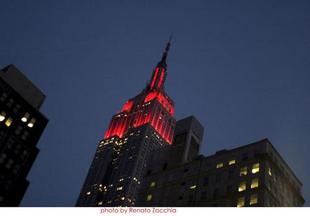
(159,74)
(163,62)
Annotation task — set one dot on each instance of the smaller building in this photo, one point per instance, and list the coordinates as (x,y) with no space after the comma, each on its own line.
(251,175)
(21,125)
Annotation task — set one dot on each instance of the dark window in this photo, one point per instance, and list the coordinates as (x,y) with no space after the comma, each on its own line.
(245,156)
(229,189)
(16,108)
(180,198)
(218,178)
(10,102)
(216,193)
(180,138)
(194,149)
(165,166)
(231,173)
(203,195)
(183,183)
(190,199)
(149,172)
(257,153)
(205,181)
(3,96)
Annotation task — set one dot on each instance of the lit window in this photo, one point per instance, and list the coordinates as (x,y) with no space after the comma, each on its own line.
(269,171)
(192,187)
(122,198)
(219,165)
(8,122)
(240,202)
(2,116)
(254,183)
(255,168)
(121,179)
(25,118)
(88,193)
(153,184)
(100,203)
(149,197)
(119,188)
(31,123)
(253,199)
(242,186)
(231,162)
(243,171)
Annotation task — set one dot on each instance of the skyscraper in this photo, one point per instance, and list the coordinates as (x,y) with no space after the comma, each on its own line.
(144,124)
(21,125)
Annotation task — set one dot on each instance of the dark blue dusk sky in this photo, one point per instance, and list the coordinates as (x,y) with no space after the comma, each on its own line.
(241,67)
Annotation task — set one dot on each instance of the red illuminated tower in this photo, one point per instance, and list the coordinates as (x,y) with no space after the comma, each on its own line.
(152,106)
(144,124)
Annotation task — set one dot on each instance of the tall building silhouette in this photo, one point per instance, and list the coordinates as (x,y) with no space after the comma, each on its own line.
(144,124)
(148,159)
(21,125)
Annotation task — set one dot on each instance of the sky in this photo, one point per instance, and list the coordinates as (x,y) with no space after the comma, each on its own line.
(240,67)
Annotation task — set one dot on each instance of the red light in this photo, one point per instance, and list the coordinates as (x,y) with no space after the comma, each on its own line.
(161,99)
(154,78)
(150,97)
(161,78)
(127,106)
(118,127)
(136,112)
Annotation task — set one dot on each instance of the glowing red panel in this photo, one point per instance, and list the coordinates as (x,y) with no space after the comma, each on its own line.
(150,97)
(163,100)
(161,78)
(127,106)
(117,127)
(145,114)
(154,78)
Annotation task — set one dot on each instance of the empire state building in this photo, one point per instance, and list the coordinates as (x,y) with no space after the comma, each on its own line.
(144,124)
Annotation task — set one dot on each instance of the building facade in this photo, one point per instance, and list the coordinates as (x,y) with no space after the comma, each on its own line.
(148,159)
(250,175)
(21,125)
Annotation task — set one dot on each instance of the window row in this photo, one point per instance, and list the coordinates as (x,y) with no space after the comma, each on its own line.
(244,170)
(243,185)
(230,162)
(8,120)
(253,200)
